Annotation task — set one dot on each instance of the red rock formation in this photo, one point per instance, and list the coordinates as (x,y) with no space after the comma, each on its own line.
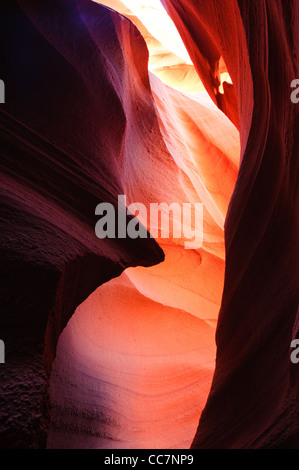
(82,123)
(148,350)
(62,129)
(144,342)
(255,382)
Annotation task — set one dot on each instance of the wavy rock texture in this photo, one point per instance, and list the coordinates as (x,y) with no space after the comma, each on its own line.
(133,343)
(63,129)
(135,362)
(255,382)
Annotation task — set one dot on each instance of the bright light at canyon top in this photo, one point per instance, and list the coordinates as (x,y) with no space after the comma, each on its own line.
(155,18)
(168,57)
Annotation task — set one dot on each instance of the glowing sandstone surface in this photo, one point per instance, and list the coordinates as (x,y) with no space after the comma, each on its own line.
(135,363)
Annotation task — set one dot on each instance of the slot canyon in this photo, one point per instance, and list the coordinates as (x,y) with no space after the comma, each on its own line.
(141,343)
